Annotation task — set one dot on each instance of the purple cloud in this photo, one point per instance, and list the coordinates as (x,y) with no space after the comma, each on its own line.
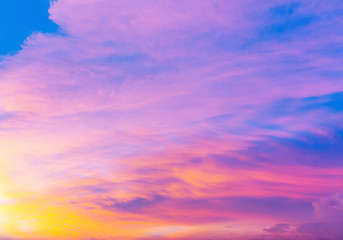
(278,228)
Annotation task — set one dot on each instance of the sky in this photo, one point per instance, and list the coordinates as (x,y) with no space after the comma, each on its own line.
(171,120)
(19,19)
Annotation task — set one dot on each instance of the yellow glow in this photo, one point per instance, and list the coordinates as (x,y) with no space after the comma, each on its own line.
(4,198)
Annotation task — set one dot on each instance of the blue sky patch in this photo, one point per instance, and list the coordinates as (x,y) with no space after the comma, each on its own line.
(19,19)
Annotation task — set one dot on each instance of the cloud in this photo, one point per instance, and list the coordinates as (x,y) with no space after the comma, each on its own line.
(213,209)
(329,214)
(330,208)
(278,228)
(321,149)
